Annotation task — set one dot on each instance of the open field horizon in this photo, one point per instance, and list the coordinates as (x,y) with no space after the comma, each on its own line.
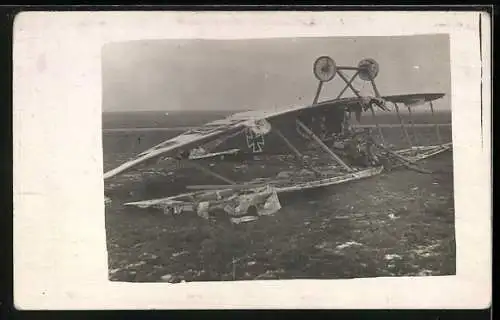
(180,119)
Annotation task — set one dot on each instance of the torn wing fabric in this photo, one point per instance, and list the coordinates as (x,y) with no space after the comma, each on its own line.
(197,152)
(202,209)
(265,200)
(172,206)
(271,205)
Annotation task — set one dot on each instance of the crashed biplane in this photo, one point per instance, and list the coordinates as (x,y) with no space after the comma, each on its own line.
(352,152)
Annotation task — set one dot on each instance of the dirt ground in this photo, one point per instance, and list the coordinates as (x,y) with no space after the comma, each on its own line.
(400,223)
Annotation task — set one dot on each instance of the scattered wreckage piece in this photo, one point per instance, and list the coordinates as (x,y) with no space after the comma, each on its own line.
(353,154)
(257,201)
(244,200)
(214,197)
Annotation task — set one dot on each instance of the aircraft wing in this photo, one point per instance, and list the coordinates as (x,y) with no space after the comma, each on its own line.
(407,99)
(239,121)
(414,99)
(208,132)
(187,140)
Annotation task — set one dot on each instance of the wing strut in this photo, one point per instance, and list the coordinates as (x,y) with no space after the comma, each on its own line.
(410,164)
(288,143)
(412,124)
(298,155)
(318,91)
(348,83)
(438,134)
(324,146)
(210,172)
(375,89)
(403,127)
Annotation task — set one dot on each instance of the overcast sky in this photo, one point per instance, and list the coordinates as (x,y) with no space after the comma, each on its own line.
(252,74)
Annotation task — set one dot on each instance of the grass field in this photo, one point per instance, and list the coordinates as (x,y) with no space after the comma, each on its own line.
(400,223)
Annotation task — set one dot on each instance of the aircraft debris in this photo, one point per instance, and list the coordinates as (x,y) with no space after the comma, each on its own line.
(133,265)
(426,251)
(392,257)
(326,126)
(263,200)
(148,256)
(425,273)
(238,220)
(127,268)
(177,254)
(202,209)
(392,216)
(270,274)
(348,244)
(331,247)
(113,271)
(167,277)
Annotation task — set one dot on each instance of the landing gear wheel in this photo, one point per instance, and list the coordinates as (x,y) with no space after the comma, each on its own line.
(324,69)
(368,69)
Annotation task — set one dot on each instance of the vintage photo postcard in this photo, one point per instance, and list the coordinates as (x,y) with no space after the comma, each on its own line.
(187,160)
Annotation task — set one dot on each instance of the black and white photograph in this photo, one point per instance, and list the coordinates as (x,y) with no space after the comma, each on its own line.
(287,158)
(242,160)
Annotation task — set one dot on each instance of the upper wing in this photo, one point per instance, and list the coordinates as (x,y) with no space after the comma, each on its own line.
(355,103)
(414,99)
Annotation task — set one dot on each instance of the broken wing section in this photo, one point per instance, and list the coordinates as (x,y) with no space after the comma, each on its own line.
(177,146)
(214,132)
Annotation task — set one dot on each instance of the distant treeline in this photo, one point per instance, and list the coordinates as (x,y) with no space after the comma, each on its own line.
(162,119)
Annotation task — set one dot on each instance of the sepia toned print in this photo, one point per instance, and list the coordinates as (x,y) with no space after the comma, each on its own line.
(288,158)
